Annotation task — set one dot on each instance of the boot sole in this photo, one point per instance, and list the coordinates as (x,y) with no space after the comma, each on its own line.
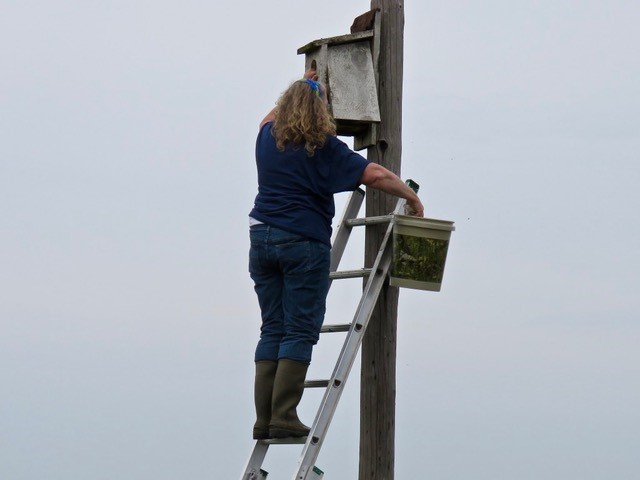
(261,435)
(283,433)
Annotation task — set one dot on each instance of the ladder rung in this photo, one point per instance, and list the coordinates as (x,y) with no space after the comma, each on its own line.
(316,383)
(362,272)
(358,222)
(335,328)
(284,441)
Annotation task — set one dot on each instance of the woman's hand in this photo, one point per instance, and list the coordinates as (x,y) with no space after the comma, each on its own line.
(311,74)
(416,208)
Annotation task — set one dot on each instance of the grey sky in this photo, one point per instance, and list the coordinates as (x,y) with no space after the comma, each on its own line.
(127,317)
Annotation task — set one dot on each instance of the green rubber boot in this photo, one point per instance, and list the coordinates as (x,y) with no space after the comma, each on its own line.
(287,392)
(263,390)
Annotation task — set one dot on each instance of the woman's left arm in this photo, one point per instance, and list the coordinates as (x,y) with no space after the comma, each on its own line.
(270,117)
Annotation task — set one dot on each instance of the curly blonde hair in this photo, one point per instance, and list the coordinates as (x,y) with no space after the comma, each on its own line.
(302,118)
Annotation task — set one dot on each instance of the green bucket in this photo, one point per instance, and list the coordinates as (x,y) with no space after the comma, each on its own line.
(420,248)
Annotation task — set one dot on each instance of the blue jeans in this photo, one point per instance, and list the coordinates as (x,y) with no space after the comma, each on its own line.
(291,277)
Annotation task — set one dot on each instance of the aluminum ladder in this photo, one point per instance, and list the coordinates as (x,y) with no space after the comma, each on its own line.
(306,469)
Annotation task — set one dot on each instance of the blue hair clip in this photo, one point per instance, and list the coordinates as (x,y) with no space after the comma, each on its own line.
(314,86)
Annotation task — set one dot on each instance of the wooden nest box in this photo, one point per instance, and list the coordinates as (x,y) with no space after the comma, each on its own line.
(348,66)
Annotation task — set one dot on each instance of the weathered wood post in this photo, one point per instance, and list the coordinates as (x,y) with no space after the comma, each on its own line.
(378,373)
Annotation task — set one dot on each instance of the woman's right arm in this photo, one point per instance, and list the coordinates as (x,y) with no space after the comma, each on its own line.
(380,178)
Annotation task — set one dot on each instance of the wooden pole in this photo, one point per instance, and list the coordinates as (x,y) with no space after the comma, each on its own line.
(378,372)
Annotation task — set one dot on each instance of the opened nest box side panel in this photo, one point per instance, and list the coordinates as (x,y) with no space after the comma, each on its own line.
(352,82)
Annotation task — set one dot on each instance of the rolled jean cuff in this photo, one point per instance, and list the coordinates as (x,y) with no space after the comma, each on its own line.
(298,352)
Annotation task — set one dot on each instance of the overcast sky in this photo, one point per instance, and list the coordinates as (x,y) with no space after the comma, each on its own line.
(127,318)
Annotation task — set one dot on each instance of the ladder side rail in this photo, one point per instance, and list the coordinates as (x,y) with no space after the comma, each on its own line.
(343,366)
(254,464)
(343,230)
(348,354)
(336,384)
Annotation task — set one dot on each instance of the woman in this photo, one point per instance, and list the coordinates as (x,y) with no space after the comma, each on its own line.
(301,164)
